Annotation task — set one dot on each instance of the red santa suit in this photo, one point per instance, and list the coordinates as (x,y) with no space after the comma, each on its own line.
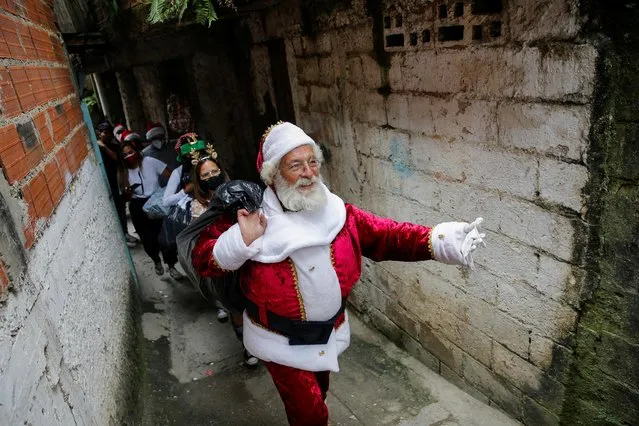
(303,269)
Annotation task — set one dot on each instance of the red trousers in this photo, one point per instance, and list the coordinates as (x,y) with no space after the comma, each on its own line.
(303,393)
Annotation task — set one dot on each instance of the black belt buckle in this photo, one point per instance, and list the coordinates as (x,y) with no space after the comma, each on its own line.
(310,332)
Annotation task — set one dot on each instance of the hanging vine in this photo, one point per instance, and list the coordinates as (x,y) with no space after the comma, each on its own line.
(204,12)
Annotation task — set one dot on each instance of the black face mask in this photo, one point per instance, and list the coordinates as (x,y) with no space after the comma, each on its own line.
(212,183)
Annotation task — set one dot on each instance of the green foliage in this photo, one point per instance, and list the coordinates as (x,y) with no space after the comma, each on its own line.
(90,101)
(203,11)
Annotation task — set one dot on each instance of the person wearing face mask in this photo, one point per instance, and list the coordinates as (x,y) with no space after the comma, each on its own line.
(181,186)
(138,178)
(299,256)
(160,148)
(108,149)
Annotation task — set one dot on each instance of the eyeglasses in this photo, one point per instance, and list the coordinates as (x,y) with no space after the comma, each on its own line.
(208,175)
(298,166)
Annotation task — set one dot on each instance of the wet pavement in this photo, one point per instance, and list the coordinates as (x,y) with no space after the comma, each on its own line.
(194,372)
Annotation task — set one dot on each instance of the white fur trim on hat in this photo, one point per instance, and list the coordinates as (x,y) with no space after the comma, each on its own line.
(155,132)
(117,130)
(131,136)
(281,140)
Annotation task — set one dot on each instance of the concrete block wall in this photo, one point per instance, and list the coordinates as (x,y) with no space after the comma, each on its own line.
(440,130)
(65,301)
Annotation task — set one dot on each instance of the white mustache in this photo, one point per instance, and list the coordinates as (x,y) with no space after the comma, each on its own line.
(305,181)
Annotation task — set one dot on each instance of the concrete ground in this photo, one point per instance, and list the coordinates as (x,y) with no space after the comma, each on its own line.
(194,373)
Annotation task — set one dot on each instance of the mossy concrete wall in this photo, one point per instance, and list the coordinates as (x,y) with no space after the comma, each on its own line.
(603,385)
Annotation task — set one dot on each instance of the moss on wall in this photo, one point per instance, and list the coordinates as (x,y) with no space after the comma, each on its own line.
(603,382)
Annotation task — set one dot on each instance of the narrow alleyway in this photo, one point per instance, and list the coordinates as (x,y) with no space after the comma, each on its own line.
(194,373)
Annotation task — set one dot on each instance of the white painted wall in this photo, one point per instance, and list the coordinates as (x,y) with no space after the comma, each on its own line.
(65,327)
(498,130)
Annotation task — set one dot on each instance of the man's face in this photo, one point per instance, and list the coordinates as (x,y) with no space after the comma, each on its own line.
(297,182)
(300,163)
(105,136)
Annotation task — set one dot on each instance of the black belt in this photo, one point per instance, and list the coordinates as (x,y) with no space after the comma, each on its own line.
(298,332)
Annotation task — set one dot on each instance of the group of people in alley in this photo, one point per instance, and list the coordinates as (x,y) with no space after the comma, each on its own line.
(295,259)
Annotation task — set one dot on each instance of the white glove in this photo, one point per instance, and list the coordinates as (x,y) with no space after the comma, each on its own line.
(453,243)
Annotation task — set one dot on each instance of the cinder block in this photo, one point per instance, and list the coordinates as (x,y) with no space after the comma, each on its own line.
(371,72)
(554,19)
(474,165)
(562,183)
(354,71)
(359,38)
(402,318)
(561,74)
(536,414)
(381,174)
(423,189)
(559,130)
(514,261)
(523,302)
(367,106)
(471,121)
(328,69)
(395,76)
(569,72)
(458,381)
(308,70)
(518,219)
(505,395)
(420,114)
(515,369)
(425,71)
(397,111)
(324,100)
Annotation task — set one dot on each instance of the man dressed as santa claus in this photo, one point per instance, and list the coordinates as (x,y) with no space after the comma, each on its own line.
(298,259)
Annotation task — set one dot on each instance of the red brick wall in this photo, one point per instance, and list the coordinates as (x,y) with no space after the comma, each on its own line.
(43,140)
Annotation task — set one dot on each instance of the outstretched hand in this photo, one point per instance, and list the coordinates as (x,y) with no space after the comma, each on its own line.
(473,240)
(252,225)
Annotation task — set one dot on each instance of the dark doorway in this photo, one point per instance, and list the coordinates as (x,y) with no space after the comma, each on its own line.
(281,82)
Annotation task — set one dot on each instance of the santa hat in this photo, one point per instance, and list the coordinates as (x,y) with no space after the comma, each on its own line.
(277,141)
(154,130)
(128,136)
(117,130)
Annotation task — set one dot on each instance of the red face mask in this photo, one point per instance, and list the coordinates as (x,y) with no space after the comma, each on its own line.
(132,160)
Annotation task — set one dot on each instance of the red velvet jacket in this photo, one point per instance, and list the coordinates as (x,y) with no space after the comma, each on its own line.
(274,287)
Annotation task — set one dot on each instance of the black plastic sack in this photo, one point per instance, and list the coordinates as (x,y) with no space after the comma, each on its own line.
(178,218)
(239,194)
(230,197)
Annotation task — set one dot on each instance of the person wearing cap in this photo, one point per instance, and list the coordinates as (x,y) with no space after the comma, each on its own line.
(160,147)
(133,138)
(108,150)
(138,178)
(300,256)
(195,182)
(117,131)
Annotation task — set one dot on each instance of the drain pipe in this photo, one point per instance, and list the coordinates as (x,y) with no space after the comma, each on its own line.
(96,150)
(97,84)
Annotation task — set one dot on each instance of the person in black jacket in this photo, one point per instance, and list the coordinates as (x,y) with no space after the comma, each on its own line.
(108,149)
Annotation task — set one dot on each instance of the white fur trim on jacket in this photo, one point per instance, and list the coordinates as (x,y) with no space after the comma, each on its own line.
(281,140)
(287,232)
(154,132)
(269,346)
(230,252)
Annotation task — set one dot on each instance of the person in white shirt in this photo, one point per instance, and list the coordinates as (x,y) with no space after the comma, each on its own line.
(138,178)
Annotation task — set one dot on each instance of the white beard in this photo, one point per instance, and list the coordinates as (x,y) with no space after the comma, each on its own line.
(295,199)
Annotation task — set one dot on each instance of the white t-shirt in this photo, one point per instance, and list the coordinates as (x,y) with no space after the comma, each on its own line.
(147,176)
(171,195)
